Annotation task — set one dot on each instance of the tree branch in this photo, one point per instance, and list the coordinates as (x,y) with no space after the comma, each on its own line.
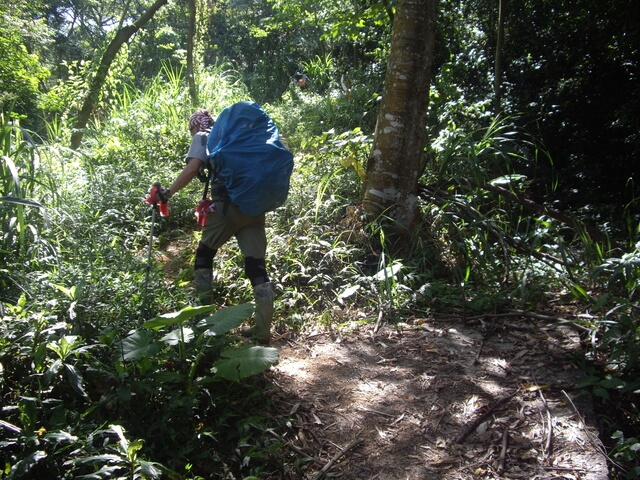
(336,457)
(478,420)
(594,232)
(122,36)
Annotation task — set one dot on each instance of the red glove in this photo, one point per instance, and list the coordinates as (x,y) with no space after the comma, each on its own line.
(159,196)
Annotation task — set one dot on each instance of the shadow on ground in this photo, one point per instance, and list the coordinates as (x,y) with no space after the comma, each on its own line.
(439,399)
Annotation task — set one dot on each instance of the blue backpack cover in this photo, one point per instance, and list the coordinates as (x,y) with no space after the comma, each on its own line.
(247,155)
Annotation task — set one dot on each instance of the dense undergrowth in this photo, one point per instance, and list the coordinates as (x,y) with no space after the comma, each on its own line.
(106,369)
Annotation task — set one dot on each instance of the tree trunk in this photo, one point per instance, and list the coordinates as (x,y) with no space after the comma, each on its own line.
(497,71)
(191,35)
(397,156)
(122,36)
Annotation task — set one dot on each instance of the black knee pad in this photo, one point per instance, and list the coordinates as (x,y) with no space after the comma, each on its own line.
(255,270)
(204,256)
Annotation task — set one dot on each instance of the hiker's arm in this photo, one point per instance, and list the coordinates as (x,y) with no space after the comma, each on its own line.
(188,173)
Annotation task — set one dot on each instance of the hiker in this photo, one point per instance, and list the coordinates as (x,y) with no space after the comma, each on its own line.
(222,221)
(301,80)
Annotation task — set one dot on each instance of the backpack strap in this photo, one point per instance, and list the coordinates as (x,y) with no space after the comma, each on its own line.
(219,191)
(206,185)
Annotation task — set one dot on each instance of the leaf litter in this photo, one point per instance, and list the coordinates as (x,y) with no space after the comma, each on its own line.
(438,399)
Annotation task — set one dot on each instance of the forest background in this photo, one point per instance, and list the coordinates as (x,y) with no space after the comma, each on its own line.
(527,199)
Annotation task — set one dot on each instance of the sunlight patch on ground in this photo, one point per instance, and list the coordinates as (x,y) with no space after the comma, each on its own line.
(297,368)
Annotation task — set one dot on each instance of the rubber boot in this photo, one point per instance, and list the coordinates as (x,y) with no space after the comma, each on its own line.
(202,281)
(260,332)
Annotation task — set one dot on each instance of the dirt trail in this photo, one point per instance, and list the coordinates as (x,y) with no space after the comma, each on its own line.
(439,399)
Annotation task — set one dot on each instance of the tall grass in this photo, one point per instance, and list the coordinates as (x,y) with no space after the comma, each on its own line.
(23,216)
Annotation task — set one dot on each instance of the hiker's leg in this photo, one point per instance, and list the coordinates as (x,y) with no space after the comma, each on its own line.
(203,273)
(253,242)
(263,295)
(255,270)
(220,226)
(215,233)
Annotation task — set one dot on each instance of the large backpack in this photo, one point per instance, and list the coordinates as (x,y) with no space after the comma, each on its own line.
(247,155)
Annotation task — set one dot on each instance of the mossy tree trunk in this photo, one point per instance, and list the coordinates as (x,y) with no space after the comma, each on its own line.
(397,157)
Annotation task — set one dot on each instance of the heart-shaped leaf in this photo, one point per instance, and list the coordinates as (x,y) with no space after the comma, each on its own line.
(226,319)
(179,335)
(239,363)
(139,345)
(177,317)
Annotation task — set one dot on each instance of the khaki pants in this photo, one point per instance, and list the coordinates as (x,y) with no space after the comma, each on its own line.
(220,226)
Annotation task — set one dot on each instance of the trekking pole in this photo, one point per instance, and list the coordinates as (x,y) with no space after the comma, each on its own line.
(154,196)
(154,207)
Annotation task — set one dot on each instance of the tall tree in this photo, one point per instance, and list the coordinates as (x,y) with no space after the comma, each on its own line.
(191,35)
(95,87)
(397,156)
(497,82)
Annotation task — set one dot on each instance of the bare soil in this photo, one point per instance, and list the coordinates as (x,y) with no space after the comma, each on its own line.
(488,398)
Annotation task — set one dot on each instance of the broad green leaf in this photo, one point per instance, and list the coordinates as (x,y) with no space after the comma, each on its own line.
(100,458)
(138,345)
(52,371)
(60,437)
(206,380)
(226,319)
(124,443)
(388,272)
(347,292)
(602,393)
(150,469)
(179,335)
(239,363)
(27,406)
(632,387)
(587,381)
(612,383)
(76,380)
(9,426)
(68,292)
(105,473)
(24,466)
(177,317)
(507,180)
(134,448)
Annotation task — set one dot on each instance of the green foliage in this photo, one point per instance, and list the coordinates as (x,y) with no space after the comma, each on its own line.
(322,70)
(76,380)
(235,364)
(610,364)
(619,329)
(599,85)
(21,70)
(99,386)
(122,462)
(627,451)
(268,41)
(66,96)
(87,358)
